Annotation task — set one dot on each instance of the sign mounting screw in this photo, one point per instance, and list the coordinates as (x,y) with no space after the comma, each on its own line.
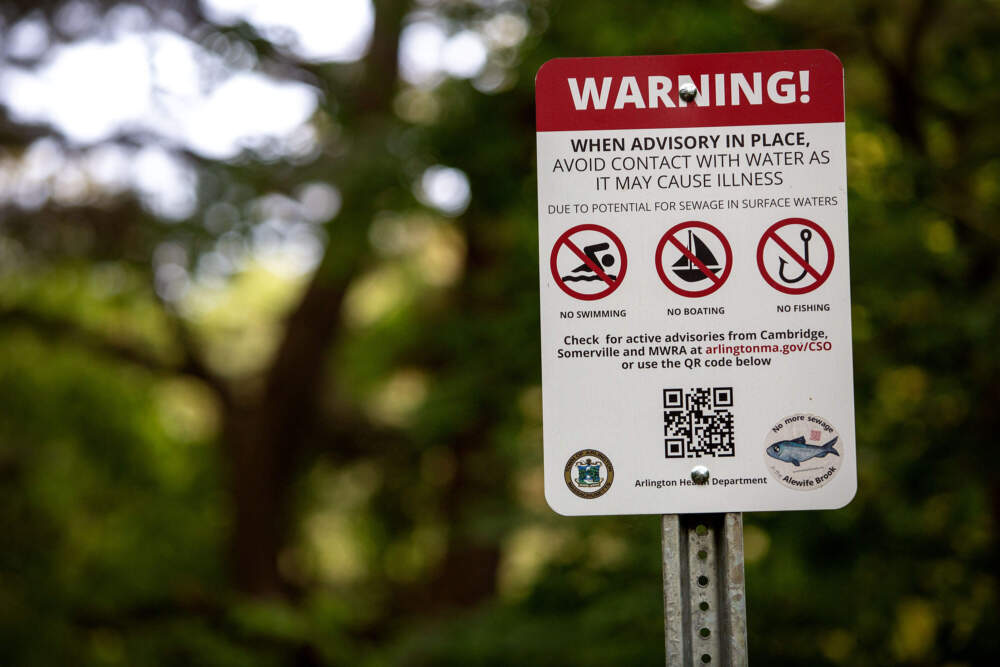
(700,474)
(687,91)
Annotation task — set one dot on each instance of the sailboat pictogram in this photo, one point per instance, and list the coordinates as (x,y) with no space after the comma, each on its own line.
(685,269)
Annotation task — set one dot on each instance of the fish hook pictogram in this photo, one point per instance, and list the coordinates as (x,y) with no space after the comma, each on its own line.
(806,235)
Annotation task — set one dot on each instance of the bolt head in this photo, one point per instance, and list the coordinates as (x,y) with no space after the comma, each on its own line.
(700,474)
(687,91)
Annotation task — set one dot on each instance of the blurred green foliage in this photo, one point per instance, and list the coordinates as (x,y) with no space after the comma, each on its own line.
(344,468)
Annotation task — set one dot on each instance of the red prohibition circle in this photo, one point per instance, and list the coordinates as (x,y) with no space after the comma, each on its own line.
(771,235)
(670,236)
(564,239)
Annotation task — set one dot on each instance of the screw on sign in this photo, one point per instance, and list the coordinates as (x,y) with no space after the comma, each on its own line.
(588,262)
(693,259)
(791,258)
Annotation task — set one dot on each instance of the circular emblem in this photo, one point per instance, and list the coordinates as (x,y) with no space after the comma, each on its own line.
(803,452)
(693,259)
(588,262)
(784,259)
(589,473)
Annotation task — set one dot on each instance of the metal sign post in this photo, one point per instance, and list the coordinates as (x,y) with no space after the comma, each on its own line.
(704,602)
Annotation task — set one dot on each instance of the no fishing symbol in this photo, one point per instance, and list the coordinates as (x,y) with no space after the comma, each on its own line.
(791,260)
(693,259)
(588,262)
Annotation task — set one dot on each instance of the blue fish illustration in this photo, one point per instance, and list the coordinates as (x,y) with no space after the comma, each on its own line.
(796,451)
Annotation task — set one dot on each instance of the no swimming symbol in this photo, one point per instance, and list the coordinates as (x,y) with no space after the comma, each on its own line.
(588,262)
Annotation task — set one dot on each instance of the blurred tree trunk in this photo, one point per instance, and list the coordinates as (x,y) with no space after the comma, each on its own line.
(267,438)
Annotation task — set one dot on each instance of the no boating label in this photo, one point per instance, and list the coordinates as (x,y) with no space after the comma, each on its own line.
(695,302)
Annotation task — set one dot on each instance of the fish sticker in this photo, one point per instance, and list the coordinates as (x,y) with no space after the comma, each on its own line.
(797,451)
(795,440)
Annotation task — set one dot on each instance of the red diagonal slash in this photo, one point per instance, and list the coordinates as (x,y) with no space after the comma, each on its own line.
(590,264)
(794,255)
(694,260)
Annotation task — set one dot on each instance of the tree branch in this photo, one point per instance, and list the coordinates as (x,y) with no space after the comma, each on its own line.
(67,330)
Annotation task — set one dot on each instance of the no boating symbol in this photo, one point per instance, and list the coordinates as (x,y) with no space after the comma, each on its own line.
(693,259)
(791,260)
(588,262)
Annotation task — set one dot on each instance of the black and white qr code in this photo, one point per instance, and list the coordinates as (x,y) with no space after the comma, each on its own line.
(698,422)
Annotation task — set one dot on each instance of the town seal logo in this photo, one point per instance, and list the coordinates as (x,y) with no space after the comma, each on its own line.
(589,473)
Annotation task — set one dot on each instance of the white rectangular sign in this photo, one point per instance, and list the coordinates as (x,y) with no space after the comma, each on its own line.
(695,303)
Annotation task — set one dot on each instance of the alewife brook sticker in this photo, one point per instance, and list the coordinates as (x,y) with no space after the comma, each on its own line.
(803,452)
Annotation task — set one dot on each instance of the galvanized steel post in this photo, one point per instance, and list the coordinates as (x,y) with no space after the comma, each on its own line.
(704,599)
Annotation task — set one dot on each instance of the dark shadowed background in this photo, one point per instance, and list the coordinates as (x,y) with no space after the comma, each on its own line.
(269,358)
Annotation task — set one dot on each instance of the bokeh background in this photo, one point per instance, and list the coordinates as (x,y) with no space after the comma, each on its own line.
(269,357)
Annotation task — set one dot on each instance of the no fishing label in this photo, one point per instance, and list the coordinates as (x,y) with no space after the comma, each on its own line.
(694,277)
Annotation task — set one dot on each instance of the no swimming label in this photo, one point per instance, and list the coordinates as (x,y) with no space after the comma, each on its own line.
(695,301)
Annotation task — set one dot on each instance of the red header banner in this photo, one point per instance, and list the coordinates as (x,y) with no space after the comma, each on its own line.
(645,92)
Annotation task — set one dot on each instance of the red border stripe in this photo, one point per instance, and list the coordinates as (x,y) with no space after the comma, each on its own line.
(555,109)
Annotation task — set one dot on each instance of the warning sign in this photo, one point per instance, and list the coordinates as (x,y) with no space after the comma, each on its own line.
(703,263)
(788,246)
(694,283)
(588,262)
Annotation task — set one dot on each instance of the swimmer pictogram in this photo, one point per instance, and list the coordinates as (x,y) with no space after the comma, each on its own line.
(588,262)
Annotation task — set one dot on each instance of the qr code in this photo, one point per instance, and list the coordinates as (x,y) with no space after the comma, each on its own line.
(698,422)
